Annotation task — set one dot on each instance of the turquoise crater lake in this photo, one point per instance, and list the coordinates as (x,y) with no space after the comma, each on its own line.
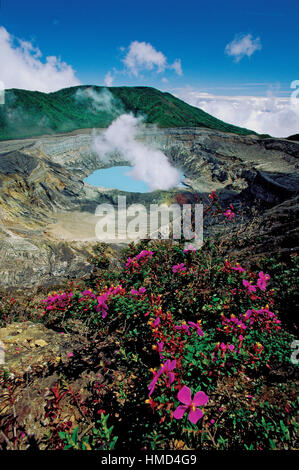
(117,177)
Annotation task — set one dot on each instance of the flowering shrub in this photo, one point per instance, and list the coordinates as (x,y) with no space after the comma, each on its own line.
(198,339)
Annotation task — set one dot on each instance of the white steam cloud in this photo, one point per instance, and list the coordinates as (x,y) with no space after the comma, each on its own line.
(109,79)
(22,67)
(148,165)
(99,100)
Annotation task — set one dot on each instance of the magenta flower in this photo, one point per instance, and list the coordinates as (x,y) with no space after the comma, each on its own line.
(262,281)
(102,299)
(249,286)
(88,293)
(129,262)
(159,347)
(57,300)
(238,268)
(229,214)
(144,254)
(184,396)
(167,369)
(189,248)
(102,306)
(114,291)
(179,268)
(138,292)
(197,326)
(183,327)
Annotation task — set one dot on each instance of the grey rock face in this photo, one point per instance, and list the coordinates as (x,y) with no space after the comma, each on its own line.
(46,208)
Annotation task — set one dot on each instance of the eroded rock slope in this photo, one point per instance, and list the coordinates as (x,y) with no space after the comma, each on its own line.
(47,221)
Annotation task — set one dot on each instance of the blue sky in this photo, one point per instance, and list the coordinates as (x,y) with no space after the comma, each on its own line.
(88,35)
(94,39)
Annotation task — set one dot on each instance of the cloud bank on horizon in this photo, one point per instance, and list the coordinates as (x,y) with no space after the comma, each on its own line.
(278,117)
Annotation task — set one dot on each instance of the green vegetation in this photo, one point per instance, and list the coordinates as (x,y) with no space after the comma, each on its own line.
(191,350)
(32,113)
(294,137)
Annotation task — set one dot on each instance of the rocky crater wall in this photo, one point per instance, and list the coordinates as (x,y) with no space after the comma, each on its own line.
(43,197)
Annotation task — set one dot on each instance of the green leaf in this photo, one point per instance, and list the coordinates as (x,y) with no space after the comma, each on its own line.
(272,444)
(75,435)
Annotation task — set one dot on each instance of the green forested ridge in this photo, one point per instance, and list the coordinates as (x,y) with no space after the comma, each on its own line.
(32,113)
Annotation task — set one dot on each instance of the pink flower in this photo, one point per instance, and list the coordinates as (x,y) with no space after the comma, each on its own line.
(179,268)
(129,262)
(229,214)
(238,268)
(197,326)
(184,396)
(249,286)
(102,306)
(70,354)
(262,281)
(159,347)
(183,327)
(167,369)
(86,292)
(189,248)
(144,254)
(138,292)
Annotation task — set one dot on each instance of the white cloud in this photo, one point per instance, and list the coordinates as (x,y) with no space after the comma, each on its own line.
(278,117)
(177,67)
(22,67)
(109,79)
(243,45)
(143,56)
